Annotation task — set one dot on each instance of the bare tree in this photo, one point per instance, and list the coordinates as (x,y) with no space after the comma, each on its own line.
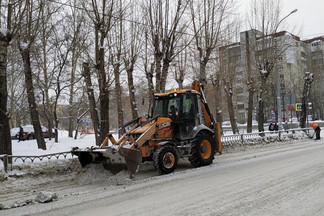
(44,80)
(166,28)
(132,47)
(77,29)
(115,42)
(5,38)
(264,16)
(27,35)
(61,61)
(228,69)
(149,72)
(308,79)
(208,18)
(92,102)
(250,79)
(101,15)
(181,63)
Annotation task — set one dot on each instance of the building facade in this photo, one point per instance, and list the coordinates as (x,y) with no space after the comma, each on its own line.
(291,58)
(315,64)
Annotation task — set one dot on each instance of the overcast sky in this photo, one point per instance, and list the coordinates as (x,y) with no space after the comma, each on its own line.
(308,20)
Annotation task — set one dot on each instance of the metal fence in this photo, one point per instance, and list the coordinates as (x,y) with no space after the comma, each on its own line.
(227,140)
(28,158)
(266,136)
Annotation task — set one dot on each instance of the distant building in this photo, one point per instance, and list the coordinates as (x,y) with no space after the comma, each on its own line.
(293,57)
(315,64)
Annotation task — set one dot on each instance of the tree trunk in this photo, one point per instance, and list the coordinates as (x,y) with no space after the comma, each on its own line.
(158,74)
(308,79)
(92,103)
(47,105)
(118,93)
(71,114)
(202,71)
(131,90)
(230,107)
(250,110)
(56,125)
(216,84)
(31,97)
(149,77)
(179,77)
(104,97)
(165,70)
(261,106)
(250,85)
(5,140)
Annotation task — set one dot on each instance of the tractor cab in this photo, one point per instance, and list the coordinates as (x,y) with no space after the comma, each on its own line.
(184,109)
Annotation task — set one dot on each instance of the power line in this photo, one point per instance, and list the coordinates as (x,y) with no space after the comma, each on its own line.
(119,18)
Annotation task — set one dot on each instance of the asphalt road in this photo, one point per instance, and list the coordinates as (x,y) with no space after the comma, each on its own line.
(281,179)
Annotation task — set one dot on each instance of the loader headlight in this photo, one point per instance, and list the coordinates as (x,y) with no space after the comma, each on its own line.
(165,124)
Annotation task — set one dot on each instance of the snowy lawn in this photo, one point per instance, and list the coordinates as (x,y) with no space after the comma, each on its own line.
(65,143)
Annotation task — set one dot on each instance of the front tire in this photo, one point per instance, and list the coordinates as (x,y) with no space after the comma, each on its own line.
(202,150)
(165,159)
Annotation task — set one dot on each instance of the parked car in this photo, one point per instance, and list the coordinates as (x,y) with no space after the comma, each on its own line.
(29,132)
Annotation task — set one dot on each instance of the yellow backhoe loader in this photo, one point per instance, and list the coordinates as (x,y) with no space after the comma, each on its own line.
(183,126)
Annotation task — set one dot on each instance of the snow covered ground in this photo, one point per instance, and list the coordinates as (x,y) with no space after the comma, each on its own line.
(283,178)
(73,184)
(29,147)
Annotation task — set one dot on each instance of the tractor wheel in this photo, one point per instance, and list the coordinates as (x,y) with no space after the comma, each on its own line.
(165,159)
(202,150)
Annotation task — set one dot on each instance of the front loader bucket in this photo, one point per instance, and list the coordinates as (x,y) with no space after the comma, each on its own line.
(114,160)
(132,157)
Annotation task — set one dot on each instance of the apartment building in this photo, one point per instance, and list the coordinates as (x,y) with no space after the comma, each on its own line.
(291,58)
(315,64)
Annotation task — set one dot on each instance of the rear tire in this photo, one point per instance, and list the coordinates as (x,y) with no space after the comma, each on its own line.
(165,159)
(202,150)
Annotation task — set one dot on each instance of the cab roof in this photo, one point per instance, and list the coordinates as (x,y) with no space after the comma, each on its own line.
(176,91)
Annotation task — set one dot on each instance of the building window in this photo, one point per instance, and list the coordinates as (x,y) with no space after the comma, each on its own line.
(239,73)
(315,44)
(240,98)
(238,81)
(239,90)
(240,106)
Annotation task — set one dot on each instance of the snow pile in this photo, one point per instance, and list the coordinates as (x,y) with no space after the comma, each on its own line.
(44,197)
(94,173)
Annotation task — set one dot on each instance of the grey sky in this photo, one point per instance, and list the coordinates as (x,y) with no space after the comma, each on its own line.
(308,21)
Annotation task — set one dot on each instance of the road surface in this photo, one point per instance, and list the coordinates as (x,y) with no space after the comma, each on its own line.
(278,179)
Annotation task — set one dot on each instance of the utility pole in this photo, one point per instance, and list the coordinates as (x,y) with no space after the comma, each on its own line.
(278,74)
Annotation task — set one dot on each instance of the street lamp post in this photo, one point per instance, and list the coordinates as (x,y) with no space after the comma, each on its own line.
(278,74)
